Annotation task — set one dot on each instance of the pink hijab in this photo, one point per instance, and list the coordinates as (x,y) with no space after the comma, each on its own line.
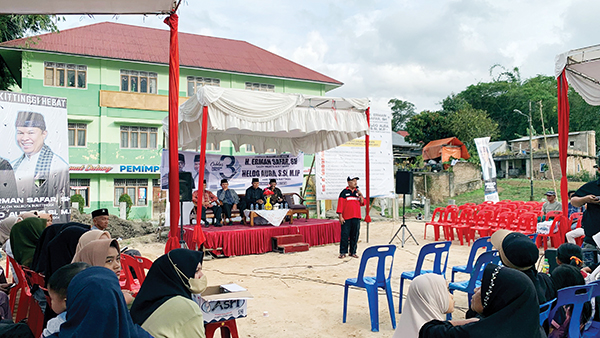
(88,237)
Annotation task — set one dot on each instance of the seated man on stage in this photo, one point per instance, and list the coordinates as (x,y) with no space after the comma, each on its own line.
(254,197)
(229,198)
(209,201)
(278,196)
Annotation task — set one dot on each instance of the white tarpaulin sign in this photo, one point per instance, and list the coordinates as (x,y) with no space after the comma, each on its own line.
(34,169)
(333,166)
(239,170)
(488,169)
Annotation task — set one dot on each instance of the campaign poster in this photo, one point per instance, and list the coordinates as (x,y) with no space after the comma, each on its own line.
(34,157)
(239,171)
(488,169)
(333,166)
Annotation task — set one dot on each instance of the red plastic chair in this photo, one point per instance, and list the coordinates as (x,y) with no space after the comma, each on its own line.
(28,307)
(228,329)
(451,218)
(506,201)
(552,215)
(130,283)
(576,217)
(463,225)
(527,223)
(556,233)
(439,212)
(482,223)
(506,220)
(527,207)
(143,265)
(512,206)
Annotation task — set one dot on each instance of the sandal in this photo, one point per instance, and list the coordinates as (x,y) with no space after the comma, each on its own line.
(354,256)
(342,256)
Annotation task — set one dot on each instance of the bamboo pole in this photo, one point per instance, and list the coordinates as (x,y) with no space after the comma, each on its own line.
(547,151)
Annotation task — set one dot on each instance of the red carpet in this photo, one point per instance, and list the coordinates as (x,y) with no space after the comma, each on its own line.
(237,240)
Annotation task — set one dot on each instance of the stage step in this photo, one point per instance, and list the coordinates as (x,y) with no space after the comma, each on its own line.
(296,247)
(287,239)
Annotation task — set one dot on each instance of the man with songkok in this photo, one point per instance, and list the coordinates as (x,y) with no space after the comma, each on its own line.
(100,219)
(278,196)
(39,172)
(254,197)
(209,201)
(229,198)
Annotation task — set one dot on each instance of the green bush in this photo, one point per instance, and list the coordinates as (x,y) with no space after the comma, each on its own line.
(79,199)
(125,198)
(583,176)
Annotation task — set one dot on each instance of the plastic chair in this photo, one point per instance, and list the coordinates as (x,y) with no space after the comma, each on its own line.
(143,265)
(28,307)
(372,284)
(437,249)
(545,311)
(556,233)
(576,217)
(435,223)
(131,283)
(463,225)
(527,223)
(506,220)
(451,218)
(474,281)
(594,329)
(482,223)
(577,296)
(533,237)
(228,329)
(552,214)
(483,242)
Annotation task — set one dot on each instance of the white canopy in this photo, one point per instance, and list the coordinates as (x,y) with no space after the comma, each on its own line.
(85,6)
(583,71)
(285,122)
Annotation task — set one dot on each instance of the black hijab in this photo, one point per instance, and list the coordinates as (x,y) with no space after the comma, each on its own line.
(163,283)
(41,250)
(61,249)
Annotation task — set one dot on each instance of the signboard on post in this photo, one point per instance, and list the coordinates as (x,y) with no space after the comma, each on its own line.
(333,166)
(488,169)
(34,168)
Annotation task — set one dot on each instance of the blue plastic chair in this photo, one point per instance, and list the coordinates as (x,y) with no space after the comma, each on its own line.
(474,281)
(594,329)
(576,295)
(533,237)
(371,284)
(437,249)
(545,311)
(483,242)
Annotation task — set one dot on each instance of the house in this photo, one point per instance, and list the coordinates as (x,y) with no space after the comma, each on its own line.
(115,79)
(515,161)
(404,150)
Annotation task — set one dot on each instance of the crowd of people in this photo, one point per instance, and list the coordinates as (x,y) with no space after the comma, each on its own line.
(81,266)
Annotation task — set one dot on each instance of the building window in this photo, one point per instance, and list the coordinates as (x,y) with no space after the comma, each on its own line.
(571,144)
(249,148)
(139,137)
(155,183)
(271,151)
(137,189)
(193,83)
(213,146)
(81,187)
(138,82)
(65,75)
(77,134)
(263,87)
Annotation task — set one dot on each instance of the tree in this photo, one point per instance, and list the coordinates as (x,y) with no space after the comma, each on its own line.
(17,26)
(402,111)
(428,126)
(470,123)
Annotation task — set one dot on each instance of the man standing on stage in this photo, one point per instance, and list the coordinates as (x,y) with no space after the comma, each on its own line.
(348,210)
(278,196)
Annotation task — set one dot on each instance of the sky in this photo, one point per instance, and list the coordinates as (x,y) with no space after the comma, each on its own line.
(414,50)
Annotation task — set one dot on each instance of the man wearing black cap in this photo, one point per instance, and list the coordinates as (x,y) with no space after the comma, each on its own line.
(39,171)
(589,194)
(254,196)
(348,211)
(278,196)
(8,185)
(100,219)
(229,198)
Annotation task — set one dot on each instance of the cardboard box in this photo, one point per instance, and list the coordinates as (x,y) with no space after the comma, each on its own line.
(217,306)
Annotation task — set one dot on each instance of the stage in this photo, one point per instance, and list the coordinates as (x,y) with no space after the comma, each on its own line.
(238,240)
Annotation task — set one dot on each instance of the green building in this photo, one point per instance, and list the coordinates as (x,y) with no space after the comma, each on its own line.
(115,79)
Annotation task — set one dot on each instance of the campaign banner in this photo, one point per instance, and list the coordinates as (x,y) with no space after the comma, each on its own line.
(114,169)
(34,167)
(287,169)
(333,166)
(488,169)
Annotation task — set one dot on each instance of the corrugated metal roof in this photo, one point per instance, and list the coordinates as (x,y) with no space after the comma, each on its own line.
(127,42)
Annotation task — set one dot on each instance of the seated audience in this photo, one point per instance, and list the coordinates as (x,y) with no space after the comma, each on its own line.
(565,276)
(5,227)
(24,238)
(551,203)
(50,233)
(573,209)
(277,195)
(518,251)
(209,201)
(253,198)
(164,305)
(90,236)
(61,250)
(229,198)
(96,308)
(507,304)
(57,290)
(571,254)
(427,299)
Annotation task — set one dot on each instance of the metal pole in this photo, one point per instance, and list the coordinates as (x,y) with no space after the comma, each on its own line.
(531,198)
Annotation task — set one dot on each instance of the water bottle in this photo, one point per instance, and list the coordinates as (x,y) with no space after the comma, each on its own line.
(546,266)
(251,206)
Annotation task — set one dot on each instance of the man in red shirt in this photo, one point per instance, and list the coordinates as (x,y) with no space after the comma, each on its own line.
(348,210)
(209,201)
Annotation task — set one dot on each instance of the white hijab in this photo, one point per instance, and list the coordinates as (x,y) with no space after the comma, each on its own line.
(427,299)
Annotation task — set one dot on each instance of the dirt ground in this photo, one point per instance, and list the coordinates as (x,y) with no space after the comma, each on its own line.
(301,294)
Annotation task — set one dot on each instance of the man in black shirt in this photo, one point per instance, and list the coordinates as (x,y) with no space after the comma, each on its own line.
(254,196)
(278,196)
(589,194)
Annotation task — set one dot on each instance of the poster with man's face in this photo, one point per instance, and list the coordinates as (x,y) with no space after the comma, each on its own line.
(34,167)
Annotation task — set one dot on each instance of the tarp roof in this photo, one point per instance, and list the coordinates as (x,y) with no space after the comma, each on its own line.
(583,71)
(433,149)
(85,6)
(285,122)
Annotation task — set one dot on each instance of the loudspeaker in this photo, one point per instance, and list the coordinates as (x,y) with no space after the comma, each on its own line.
(404,182)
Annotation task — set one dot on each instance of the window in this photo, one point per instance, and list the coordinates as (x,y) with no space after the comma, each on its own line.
(138,82)
(213,146)
(137,189)
(271,151)
(193,83)
(155,183)
(263,87)
(81,187)
(65,75)
(139,137)
(249,148)
(571,144)
(77,134)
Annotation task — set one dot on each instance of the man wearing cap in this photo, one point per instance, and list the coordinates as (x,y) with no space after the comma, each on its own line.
(254,196)
(39,171)
(229,198)
(551,204)
(209,201)
(348,210)
(8,185)
(278,196)
(100,219)
(518,251)
(589,195)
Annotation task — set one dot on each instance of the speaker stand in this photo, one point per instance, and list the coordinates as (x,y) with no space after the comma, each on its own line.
(403,227)
(182,243)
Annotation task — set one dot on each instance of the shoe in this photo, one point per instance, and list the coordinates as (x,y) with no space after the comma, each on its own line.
(342,256)
(354,256)
(230,222)
(218,224)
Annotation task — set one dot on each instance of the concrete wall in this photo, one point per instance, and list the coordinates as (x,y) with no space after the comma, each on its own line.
(440,186)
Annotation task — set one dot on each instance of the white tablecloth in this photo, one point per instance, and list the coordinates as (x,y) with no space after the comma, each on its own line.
(273,217)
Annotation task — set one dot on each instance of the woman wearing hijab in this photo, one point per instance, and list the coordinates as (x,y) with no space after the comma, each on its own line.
(5,227)
(89,236)
(508,306)
(24,238)
(96,308)
(61,249)
(427,299)
(50,233)
(164,305)
(565,276)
